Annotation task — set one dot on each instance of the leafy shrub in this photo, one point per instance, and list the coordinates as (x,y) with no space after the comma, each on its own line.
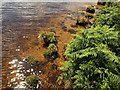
(93,59)
(90,9)
(48,37)
(32,80)
(51,53)
(112,4)
(31,60)
(109,16)
(91,63)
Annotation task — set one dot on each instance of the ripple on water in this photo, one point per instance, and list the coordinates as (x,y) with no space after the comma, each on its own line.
(21,71)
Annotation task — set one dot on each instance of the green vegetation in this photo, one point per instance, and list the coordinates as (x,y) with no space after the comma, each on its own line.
(90,59)
(82,21)
(51,53)
(31,60)
(109,16)
(93,59)
(90,9)
(32,80)
(48,38)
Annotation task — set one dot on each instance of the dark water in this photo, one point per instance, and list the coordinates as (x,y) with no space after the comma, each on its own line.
(24,19)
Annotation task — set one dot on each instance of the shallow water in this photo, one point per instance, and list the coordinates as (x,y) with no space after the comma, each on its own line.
(21,20)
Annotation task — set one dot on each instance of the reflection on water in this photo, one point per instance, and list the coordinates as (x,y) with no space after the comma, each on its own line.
(19,21)
(23,69)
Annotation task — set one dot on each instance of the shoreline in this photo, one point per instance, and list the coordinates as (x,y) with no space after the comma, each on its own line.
(58,25)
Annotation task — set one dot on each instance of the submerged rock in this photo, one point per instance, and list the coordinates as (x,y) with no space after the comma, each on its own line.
(72,31)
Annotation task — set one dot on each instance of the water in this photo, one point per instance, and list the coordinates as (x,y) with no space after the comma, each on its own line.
(20,20)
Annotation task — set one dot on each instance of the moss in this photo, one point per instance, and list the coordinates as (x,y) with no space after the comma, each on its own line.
(48,38)
(32,80)
(51,53)
(52,47)
(82,21)
(31,60)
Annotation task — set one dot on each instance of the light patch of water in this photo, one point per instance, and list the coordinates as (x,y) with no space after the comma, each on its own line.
(22,69)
